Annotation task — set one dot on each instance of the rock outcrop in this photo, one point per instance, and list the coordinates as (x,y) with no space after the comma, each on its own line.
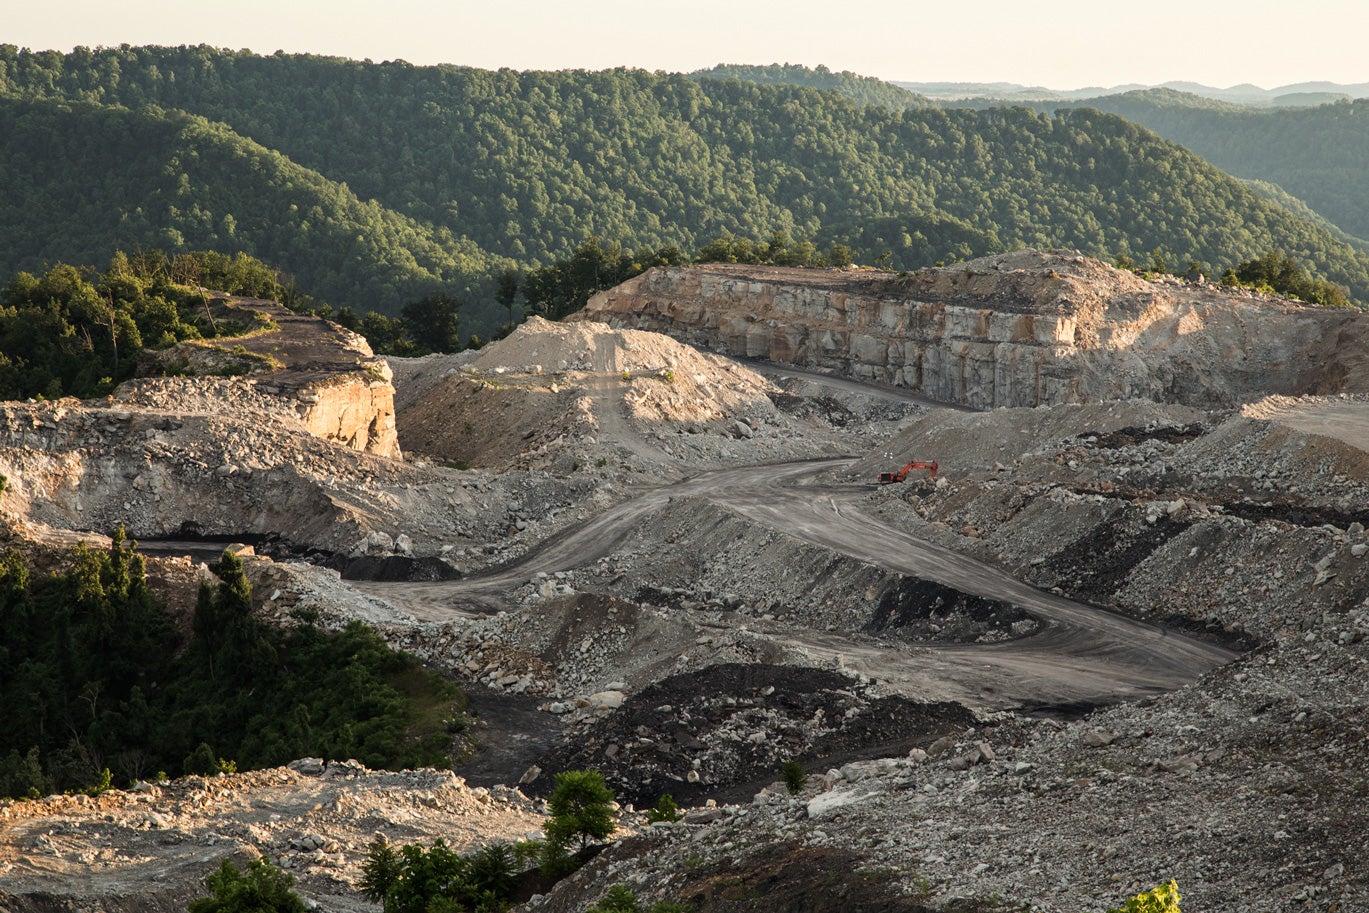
(358,411)
(1022,329)
(248,435)
(323,374)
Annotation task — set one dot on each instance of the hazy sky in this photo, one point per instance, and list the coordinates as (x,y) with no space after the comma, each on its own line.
(1055,43)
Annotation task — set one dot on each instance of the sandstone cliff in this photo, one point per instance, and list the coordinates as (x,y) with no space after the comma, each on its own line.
(324,375)
(1022,329)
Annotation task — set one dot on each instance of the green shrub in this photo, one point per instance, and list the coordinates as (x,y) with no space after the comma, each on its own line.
(413,879)
(581,807)
(621,899)
(262,888)
(201,761)
(1164,899)
(103,783)
(794,776)
(380,871)
(666,810)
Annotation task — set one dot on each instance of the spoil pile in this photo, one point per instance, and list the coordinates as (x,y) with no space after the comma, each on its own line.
(570,396)
(149,848)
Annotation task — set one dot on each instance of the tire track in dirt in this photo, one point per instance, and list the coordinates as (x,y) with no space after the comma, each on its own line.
(1082,654)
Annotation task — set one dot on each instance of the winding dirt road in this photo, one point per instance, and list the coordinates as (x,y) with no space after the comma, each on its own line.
(1082,654)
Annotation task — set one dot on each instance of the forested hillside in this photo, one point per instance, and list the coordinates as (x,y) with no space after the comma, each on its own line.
(1319,154)
(100,688)
(865,90)
(82,180)
(528,165)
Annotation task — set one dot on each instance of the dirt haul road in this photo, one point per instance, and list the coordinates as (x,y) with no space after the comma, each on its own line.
(1081,654)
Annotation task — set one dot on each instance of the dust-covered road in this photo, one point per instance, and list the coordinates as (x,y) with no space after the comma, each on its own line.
(1082,654)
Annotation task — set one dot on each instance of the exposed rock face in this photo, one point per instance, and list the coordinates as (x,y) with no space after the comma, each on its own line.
(250,435)
(327,375)
(1021,329)
(358,412)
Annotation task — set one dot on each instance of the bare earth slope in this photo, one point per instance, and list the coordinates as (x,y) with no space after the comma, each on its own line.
(1150,613)
(564,396)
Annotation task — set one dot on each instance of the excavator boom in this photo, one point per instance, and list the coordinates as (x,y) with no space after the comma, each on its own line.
(902,475)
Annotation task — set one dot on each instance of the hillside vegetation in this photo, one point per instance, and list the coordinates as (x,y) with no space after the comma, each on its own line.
(865,90)
(83,180)
(527,166)
(1318,153)
(95,678)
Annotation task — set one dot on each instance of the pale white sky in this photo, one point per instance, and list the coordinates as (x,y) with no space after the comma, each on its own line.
(1056,43)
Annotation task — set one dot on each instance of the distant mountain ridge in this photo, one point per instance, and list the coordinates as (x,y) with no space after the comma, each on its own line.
(381,181)
(866,90)
(1244,94)
(1319,154)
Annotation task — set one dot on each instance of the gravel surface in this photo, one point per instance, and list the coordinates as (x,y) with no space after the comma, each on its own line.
(646,587)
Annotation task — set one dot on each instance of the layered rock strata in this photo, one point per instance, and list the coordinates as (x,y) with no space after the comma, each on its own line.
(1022,329)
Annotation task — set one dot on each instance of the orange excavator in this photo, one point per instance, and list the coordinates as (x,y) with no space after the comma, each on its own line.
(902,474)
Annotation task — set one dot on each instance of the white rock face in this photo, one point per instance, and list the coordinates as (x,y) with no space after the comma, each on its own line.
(1028,328)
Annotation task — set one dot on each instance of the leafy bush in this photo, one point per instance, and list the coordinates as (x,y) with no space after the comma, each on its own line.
(1279,274)
(1164,899)
(666,810)
(794,776)
(581,807)
(413,879)
(262,888)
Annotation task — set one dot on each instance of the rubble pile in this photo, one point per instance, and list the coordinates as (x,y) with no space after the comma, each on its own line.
(149,847)
(715,732)
(1239,788)
(633,579)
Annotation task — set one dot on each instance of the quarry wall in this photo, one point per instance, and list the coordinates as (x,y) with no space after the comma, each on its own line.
(1024,329)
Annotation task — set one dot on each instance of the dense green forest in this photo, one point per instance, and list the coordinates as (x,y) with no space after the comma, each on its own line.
(864,90)
(467,172)
(75,332)
(82,180)
(98,686)
(1318,154)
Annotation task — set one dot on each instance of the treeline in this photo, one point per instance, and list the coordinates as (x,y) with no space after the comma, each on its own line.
(1278,274)
(99,689)
(563,287)
(863,90)
(1317,154)
(75,332)
(523,167)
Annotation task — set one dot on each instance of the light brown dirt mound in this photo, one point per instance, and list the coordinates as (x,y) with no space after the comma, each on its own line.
(571,396)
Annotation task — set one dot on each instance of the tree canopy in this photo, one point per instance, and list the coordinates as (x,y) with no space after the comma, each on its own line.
(379,184)
(94,678)
(75,332)
(1270,144)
